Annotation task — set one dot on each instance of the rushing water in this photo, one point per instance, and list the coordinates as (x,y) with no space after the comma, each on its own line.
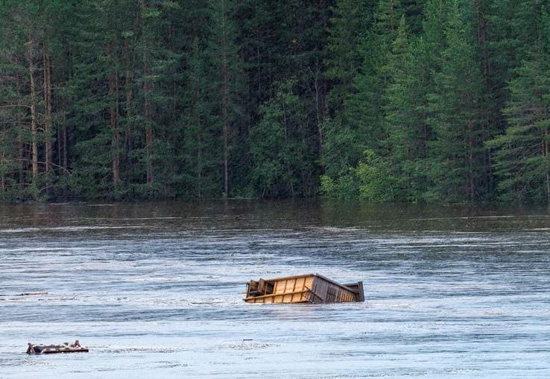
(155,291)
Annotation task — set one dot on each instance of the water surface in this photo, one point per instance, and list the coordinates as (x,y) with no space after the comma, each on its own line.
(155,290)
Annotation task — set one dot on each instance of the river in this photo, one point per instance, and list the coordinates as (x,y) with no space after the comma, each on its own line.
(155,290)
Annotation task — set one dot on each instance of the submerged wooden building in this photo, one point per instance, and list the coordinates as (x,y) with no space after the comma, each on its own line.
(309,288)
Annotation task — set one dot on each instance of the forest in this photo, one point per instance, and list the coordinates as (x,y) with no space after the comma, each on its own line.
(443,101)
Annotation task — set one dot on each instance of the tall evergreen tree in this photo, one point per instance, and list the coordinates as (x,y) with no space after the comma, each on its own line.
(29,47)
(95,92)
(277,153)
(360,126)
(227,78)
(199,174)
(522,158)
(458,167)
(351,19)
(404,99)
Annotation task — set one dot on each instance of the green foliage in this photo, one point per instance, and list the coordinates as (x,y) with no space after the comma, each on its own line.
(522,156)
(371,100)
(458,119)
(350,20)
(405,102)
(276,155)
(371,180)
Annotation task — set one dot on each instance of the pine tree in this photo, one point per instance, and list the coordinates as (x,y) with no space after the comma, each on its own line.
(277,156)
(360,127)
(458,119)
(28,48)
(155,63)
(227,73)
(350,21)
(522,158)
(201,152)
(404,103)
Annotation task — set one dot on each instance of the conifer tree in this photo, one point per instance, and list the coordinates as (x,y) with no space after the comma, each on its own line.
(404,116)
(201,152)
(364,108)
(226,73)
(360,126)
(27,46)
(522,158)
(96,98)
(351,19)
(277,156)
(458,118)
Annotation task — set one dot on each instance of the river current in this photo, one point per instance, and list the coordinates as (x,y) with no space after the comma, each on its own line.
(155,290)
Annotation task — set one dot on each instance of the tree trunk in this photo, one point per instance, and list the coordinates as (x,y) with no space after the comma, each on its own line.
(129,105)
(149,136)
(3,178)
(34,114)
(113,113)
(225,113)
(148,112)
(48,110)
(286,162)
(545,151)
(320,105)
(225,141)
(225,99)
(471,162)
(65,147)
(199,161)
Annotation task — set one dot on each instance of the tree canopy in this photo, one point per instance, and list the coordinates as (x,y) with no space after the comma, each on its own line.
(373,100)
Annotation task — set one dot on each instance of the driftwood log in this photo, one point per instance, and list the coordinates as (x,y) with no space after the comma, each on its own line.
(65,347)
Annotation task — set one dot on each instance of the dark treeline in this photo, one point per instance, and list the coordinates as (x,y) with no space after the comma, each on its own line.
(378,100)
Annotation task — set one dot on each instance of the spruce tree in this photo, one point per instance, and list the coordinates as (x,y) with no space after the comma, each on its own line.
(522,159)
(404,102)
(227,79)
(200,152)
(277,155)
(360,127)
(350,21)
(458,166)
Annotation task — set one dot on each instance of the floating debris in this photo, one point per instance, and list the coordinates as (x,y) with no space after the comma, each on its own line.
(65,347)
(32,294)
(309,288)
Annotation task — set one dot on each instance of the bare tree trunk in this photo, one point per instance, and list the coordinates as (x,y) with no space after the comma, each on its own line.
(129,104)
(3,178)
(113,113)
(147,91)
(545,151)
(287,165)
(471,162)
(225,140)
(225,97)
(34,115)
(225,113)
(65,148)
(199,161)
(48,110)
(149,136)
(61,132)
(22,167)
(320,107)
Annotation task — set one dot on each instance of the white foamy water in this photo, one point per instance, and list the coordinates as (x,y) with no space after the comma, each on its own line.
(156,290)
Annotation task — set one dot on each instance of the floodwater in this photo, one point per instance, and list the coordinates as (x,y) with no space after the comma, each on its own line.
(155,290)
